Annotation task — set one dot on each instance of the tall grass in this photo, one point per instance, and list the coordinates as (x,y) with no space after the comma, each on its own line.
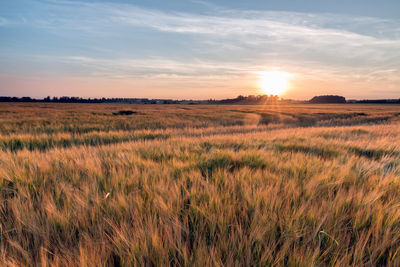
(222,195)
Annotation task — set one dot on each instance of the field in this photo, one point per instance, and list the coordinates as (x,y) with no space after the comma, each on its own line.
(189,185)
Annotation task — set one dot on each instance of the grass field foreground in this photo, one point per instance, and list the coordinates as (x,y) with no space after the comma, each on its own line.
(308,185)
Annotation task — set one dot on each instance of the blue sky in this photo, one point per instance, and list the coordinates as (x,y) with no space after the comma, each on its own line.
(198,49)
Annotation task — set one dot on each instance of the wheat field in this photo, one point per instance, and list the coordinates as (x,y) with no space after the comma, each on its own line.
(189,185)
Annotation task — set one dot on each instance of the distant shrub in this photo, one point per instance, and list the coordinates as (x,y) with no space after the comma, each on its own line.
(124,112)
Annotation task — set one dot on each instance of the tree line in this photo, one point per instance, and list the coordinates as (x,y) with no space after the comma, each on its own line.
(251,99)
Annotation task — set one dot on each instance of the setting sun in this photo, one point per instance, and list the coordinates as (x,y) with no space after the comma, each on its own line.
(274,82)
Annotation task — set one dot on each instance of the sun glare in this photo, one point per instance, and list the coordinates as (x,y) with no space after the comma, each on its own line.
(274,82)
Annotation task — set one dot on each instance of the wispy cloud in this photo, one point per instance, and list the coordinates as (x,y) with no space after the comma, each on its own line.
(325,33)
(3,21)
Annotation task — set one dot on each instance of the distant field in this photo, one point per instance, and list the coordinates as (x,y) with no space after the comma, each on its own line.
(184,185)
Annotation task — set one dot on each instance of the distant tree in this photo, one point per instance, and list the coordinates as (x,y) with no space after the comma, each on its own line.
(326,99)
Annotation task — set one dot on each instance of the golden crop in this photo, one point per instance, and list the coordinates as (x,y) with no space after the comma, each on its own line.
(188,185)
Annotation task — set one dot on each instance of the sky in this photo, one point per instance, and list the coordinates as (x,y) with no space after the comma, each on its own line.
(199,49)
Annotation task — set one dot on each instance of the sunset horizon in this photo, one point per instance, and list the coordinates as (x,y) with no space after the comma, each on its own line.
(199,133)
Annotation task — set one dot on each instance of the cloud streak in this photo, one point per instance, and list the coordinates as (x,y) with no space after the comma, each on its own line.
(3,21)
